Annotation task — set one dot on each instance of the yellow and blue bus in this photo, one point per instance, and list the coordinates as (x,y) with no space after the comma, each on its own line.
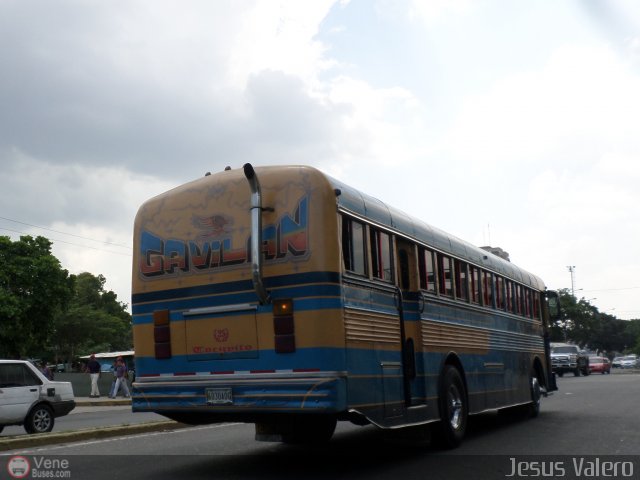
(282,297)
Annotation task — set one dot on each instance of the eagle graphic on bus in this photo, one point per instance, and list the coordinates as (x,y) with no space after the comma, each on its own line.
(213,226)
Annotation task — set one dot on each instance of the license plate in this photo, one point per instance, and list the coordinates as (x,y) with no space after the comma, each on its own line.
(219,396)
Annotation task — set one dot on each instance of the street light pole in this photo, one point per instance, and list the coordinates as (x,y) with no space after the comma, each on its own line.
(571,269)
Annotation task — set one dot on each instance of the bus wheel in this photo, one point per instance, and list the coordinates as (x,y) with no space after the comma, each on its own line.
(311,429)
(454,409)
(536,395)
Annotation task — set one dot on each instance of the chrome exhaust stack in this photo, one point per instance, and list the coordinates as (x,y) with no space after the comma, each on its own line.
(256,234)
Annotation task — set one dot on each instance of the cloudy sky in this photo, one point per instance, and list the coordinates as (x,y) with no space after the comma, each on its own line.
(514,124)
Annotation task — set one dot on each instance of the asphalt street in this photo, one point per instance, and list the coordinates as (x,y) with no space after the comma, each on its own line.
(590,418)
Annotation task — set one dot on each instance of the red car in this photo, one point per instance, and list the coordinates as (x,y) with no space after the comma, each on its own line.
(599,365)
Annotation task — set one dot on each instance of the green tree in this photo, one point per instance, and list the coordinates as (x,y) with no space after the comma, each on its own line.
(581,323)
(34,289)
(94,321)
(611,334)
(633,336)
(578,320)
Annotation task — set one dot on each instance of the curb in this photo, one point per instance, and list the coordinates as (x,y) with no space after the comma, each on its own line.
(39,439)
(103,403)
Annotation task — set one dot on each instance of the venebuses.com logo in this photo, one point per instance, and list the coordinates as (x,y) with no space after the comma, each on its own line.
(18,467)
(38,467)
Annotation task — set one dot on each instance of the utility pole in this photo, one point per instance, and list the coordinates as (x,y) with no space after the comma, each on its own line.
(572,269)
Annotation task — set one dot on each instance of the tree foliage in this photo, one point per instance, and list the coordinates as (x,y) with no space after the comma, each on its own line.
(34,289)
(94,321)
(45,312)
(581,323)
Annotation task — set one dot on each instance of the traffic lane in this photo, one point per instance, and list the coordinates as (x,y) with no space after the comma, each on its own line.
(93,417)
(583,411)
(225,452)
(567,422)
(581,406)
(229,452)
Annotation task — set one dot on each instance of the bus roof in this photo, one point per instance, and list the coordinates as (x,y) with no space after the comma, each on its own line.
(367,207)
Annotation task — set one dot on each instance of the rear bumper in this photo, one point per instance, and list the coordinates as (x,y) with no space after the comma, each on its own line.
(63,407)
(251,394)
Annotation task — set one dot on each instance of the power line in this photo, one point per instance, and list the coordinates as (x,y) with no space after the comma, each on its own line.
(612,289)
(70,243)
(64,233)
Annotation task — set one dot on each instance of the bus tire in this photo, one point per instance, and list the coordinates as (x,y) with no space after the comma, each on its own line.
(311,429)
(533,409)
(454,408)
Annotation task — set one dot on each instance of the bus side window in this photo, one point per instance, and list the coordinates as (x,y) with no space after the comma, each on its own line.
(529,303)
(427,270)
(536,305)
(353,252)
(487,288)
(462,284)
(381,255)
(474,274)
(500,303)
(445,275)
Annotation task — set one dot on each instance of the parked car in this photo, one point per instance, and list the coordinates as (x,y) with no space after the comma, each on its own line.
(630,361)
(28,398)
(615,363)
(599,365)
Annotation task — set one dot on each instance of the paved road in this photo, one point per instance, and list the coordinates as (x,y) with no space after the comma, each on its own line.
(589,416)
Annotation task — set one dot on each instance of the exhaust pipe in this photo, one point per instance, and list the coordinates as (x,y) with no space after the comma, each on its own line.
(256,234)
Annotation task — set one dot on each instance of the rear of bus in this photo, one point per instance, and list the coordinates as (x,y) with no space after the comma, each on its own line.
(224,334)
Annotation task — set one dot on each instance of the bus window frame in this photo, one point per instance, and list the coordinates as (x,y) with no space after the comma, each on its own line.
(442,275)
(346,220)
(426,285)
(379,268)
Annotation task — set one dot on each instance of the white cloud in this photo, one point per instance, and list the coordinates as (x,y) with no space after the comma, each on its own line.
(433,11)
(105,107)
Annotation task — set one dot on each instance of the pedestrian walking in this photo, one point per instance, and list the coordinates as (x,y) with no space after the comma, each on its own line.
(46,371)
(93,367)
(121,379)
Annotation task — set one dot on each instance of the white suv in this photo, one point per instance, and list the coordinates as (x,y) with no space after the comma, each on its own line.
(28,398)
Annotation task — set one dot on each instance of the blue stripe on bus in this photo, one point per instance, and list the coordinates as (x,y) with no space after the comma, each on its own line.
(365,382)
(231,287)
(325,359)
(145,315)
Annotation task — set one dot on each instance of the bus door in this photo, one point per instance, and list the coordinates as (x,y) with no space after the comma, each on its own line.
(407,292)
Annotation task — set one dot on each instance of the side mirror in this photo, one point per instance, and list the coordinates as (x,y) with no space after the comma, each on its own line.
(553,302)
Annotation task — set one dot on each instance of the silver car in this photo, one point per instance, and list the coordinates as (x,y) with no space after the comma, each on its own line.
(629,362)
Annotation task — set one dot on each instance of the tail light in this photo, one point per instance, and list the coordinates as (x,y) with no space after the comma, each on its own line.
(285,340)
(162,334)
